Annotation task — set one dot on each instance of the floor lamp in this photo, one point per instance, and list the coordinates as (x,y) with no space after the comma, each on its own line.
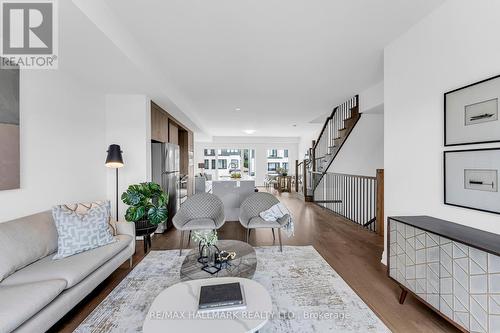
(114,160)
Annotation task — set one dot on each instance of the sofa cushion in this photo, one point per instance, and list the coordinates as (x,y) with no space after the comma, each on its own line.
(81,232)
(26,240)
(71,269)
(83,209)
(20,302)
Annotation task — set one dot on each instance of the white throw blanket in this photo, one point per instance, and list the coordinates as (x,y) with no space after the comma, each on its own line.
(276,212)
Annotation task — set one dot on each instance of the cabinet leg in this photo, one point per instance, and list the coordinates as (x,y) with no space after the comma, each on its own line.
(402,297)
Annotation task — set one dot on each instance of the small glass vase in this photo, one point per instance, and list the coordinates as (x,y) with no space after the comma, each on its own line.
(208,256)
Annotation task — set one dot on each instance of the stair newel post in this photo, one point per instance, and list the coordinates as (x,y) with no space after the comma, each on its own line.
(296,175)
(304,178)
(313,152)
(380,202)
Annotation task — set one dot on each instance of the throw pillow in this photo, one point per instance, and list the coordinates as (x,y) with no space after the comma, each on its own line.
(83,208)
(81,232)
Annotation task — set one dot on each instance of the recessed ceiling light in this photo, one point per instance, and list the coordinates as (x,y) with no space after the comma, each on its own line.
(237,109)
(250,131)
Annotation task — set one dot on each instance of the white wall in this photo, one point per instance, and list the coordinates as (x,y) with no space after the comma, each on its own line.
(128,124)
(62,144)
(371,100)
(454,46)
(363,152)
(305,142)
(260,144)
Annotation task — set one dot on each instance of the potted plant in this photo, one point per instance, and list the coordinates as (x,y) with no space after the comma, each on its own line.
(282,171)
(236,175)
(147,205)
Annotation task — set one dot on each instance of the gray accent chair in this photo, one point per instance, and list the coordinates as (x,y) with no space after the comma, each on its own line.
(202,211)
(253,206)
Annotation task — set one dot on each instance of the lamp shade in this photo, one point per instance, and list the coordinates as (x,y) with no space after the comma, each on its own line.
(114,158)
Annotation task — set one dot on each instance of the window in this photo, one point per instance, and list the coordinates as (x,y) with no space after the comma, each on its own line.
(209,152)
(285,165)
(272,166)
(285,154)
(222,164)
(273,153)
(235,164)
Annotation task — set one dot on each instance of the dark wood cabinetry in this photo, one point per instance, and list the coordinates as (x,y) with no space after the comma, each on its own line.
(165,128)
(159,124)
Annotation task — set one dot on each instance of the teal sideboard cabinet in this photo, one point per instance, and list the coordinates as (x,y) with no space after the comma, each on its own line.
(452,268)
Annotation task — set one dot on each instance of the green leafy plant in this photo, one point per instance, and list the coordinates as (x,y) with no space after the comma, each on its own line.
(146,201)
(236,175)
(282,171)
(205,237)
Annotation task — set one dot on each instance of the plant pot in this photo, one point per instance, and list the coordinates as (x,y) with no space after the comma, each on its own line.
(144,226)
(145,229)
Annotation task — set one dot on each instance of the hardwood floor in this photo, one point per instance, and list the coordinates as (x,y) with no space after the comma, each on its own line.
(352,251)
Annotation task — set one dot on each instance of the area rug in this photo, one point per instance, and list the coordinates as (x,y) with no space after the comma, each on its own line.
(307,294)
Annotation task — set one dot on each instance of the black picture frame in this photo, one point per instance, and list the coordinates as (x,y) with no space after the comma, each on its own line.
(444,178)
(446,144)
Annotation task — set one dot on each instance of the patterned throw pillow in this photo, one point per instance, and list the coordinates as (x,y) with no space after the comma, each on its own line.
(81,232)
(83,208)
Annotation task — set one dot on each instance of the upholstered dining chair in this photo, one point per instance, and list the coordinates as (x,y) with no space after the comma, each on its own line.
(202,211)
(253,206)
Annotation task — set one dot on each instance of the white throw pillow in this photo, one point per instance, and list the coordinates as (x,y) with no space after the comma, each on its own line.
(81,232)
(82,208)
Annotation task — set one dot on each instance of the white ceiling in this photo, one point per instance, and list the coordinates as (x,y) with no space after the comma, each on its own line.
(282,62)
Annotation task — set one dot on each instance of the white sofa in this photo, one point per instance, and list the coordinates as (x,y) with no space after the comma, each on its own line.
(35,290)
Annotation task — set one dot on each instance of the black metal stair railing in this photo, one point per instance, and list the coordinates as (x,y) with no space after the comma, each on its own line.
(351,196)
(333,134)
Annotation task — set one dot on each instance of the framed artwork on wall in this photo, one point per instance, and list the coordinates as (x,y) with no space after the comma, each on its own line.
(471,113)
(471,179)
(9,129)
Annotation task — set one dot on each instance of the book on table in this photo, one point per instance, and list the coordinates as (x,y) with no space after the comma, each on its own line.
(222,297)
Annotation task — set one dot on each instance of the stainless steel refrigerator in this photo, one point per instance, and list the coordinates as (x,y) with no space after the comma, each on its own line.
(165,171)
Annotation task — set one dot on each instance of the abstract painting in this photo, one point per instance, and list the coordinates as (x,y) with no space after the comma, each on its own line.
(9,129)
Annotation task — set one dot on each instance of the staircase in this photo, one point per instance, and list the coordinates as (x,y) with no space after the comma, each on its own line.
(357,198)
(334,134)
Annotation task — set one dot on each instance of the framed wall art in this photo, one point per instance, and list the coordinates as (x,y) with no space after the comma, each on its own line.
(471,179)
(9,129)
(471,113)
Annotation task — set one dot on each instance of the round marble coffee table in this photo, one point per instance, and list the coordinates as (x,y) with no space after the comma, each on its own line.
(176,310)
(243,265)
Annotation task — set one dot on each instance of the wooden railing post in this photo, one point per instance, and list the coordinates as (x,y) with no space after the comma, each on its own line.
(313,156)
(304,178)
(296,175)
(380,202)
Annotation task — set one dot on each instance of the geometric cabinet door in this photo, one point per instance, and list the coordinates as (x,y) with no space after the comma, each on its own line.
(455,278)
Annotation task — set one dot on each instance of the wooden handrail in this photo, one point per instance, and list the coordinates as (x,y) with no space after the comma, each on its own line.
(349,175)
(325,125)
(331,118)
